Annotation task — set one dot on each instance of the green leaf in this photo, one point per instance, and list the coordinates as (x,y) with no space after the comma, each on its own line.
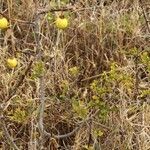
(80,108)
(38,70)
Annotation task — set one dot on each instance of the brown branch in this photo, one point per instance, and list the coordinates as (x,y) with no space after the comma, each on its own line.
(54,10)
(68,134)
(20,81)
(2,14)
(16,20)
(6,133)
(73,131)
(136,90)
(136,74)
(13,91)
(64,135)
(145,16)
(39,13)
(92,77)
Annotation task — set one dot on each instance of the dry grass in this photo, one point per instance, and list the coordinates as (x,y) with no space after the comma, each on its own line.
(107,44)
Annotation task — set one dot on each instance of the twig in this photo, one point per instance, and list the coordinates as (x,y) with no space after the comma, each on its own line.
(20,81)
(17,20)
(54,10)
(145,16)
(92,77)
(4,15)
(136,90)
(68,134)
(2,121)
(74,131)
(41,12)
(64,135)
(8,137)
(13,91)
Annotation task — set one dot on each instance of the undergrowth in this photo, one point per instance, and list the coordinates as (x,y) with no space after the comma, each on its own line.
(93,76)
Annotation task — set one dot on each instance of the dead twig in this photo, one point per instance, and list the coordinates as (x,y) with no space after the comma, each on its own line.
(81,124)
(8,137)
(20,81)
(145,16)
(54,10)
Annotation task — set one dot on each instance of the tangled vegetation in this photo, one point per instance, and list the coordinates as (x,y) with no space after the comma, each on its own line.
(75,75)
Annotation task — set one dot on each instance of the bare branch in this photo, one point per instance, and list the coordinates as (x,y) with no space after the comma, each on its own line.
(42,105)
(8,137)
(16,20)
(74,131)
(145,16)
(68,134)
(12,91)
(54,10)
(41,79)
(20,81)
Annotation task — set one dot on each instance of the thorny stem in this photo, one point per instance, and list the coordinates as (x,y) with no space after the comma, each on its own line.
(41,80)
(41,110)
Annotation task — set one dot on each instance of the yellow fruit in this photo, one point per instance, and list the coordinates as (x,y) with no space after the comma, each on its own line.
(61,23)
(12,63)
(3,23)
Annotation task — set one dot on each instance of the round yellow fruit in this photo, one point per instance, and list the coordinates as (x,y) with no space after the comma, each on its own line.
(12,63)
(3,23)
(61,23)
